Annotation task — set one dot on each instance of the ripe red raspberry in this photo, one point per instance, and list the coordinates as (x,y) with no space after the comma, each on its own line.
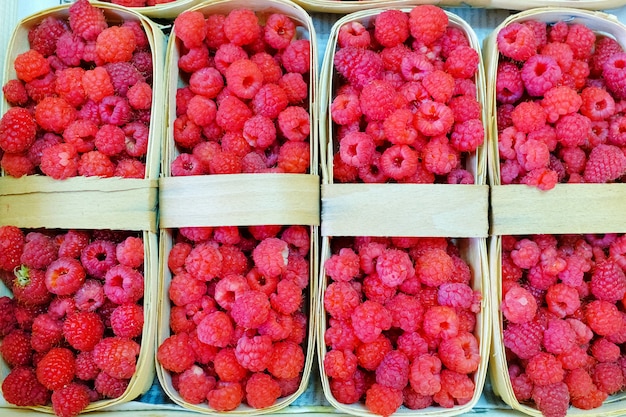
(251,309)
(340,299)
(540,73)
(46,332)
(12,242)
(544,369)
(64,276)
(270,256)
(194,384)
(95,164)
(434,267)
(524,339)
(296,57)
(110,387)
(70,400)
(434,118)
(559,337)
(287,360)
(406,312)
(287,299)
(226,396)
(383,400)
(83,330)
(29,286)
(468,135)
(340,364)
(357,149)
(391,28)
(216,329)
(605,351)
(16,349)
(98,257)
(358,65)
(140,96)
(56,368)
(189,27)
(606,163)
(20,387)
(378,99)
(244,78)
(17,130)
(15,92)
(44,35)
(393,371)
(175,353)
(241,27)
(229,288)
(90,296)
(369,319)
(86,20)
(232,113)
(123,75)
(54,114)
(571,129)
(517,41)
(254,352)
(294,123)
(427,23)
(552,400)
(262,390)
(124,284)
(227,367)
(130,252)
(608,281)
(204,262)
(462,62)
(439,84)
(127,320)
(295,87)
(604,47)
(279,30)
(269,66)
(69,85)
(594,399)
(117,356)
(607,376)
(30,65)
(353,34)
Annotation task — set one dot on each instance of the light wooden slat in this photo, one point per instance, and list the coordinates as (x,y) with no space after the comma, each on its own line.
(567,208)
(446,210)
(239,199)
(79,202)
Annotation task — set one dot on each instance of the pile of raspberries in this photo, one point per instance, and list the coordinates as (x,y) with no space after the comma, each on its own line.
(405,105)
(71,333)
(564,321)
(81,102)
(238,315)
(560,109)
(243,103)
(400,320)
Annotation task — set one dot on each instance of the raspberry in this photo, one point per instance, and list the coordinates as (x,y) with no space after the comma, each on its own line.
(114,110)
(64,276)
(383,400)
(56,368)
(204,262)
(605,351)
(98,257)
(39,251)
(345,109)
(528,116)
(391,28)
(606,163)
(608,377)
(544,369)
(468,135)
(369,319)
(259,132)
(509,83)
(86,20)
(12,242)
(340,364)
(424,376)
(562,300)
(394,266)
(540,73)
(130,252)
(456,294)
(140,96)
(573,129)
(72,50)
(194,384)
(603,49)
(613,74)
(579,383)
(294,123)
(594,399)
(250,309)
(254,352)
(353,34)
(608,281)
(524,339)
(262,390)
(15,92)
(123,284)
(517,41)
(226,366)
(399,162)
(340,299)
(559,337)
(241,27)
(232,114)
(216,329)
(70,400)
(356,149)
(44,35)
(117,356)
(406,312)
(287,360)
(358,65)
(244,78)
(581,39)
(279,30)
(69,85)
(552,400)
(434,118)
(460,353)
(340,335)
(226,396)
(370,355)
(83,330)
(175,353)
(294,86)
(21,387)
(393,371)
(427,23)
(127,320)
(17,130)
(110,387)
(288,297)
(30,65)
(434,267)
(16,349)
(46,332)
(189,27)
(116,44)
(95,164)
(123,75)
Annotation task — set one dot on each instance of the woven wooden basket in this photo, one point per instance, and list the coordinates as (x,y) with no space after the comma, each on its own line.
(239,199)
(516,209)
(348,6)
(443,210)
(474,252)
(565,209)
(114,14)
(145,369)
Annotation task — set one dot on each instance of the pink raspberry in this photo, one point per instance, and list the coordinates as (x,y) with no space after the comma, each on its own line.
(440,322)
(427,23)
(562,300)
(518,305)
(468,135)
(358,65)
(262,390)
(394,266)
(391,28)
(343,266)
(86,21)
(544,369)
(296,56)
(369,319)
(189,27)
(462,62)
(552,400)
(434,267)
(353,34)
(608,377)
(216,329)
(295,87)
(406,312)
(581,39)
(528,116)
(425,374)
(604,48)
(605,351)
(250,309)
(608,281)
(393,371)
(540,73)
(270,256)
(517,41)
(559,337)
(460,353)
(524,339)
(124,284)
(434,118)
(254,353)
(232,113)
(287,360)
(509,83)
(244,78)
(241,27)
(288,297)
(606,163)
(127,320)
(279,30)
(340,299)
